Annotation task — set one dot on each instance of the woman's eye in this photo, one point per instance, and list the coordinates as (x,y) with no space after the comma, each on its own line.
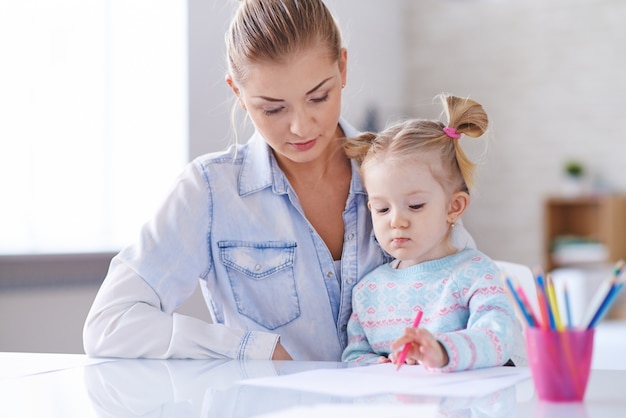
(320,99)
(416,207)
(270,112)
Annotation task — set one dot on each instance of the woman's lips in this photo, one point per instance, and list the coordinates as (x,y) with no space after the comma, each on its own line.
(304,146)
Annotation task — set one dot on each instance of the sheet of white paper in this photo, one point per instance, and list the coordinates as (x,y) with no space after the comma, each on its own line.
(25,364)
(410,380)
(361,411)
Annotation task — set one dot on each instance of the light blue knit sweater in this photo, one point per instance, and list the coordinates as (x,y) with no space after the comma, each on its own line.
(464,305)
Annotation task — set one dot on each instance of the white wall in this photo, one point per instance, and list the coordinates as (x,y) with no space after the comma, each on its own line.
(44,319)
(551,76)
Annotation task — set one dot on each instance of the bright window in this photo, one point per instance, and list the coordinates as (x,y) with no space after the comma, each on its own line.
(93,120)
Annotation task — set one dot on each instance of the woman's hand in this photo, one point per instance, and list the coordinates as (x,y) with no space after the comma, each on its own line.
(280,353)
(424,348)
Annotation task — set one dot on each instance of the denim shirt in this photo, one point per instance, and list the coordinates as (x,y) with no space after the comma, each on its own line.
(233,222)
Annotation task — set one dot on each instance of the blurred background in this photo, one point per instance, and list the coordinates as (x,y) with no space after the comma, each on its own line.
(102,102)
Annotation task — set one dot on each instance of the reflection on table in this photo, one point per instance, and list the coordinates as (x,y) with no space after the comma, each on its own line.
(211,388)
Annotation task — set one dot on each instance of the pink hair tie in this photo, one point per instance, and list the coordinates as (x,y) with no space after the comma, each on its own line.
(451,132)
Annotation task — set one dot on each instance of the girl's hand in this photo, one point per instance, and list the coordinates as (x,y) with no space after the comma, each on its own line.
(424,348)
(383,359)
(393,357)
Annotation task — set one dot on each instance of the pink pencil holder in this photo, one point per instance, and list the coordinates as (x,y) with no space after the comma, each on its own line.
(560,362)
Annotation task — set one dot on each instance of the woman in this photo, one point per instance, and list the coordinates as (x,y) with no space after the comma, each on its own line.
(277,230)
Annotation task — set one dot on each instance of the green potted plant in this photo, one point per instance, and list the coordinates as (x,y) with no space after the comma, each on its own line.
(574,173)
(574,169)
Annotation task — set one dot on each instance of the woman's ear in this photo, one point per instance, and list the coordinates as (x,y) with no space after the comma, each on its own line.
(231,83)
(458,204)
(343,66)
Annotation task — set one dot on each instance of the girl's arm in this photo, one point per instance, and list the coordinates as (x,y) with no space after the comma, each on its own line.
(359,349)
(490,334)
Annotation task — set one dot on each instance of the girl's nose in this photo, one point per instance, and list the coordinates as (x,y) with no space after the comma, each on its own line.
(398,220)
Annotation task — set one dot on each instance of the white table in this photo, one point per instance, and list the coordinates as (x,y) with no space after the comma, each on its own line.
(72,386)
(609,346)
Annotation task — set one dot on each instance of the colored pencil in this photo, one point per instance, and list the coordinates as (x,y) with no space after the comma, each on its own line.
(529,307)
(520,303)
(606,304)
(550,317)
(601,294)
(546,316)
(568,309)
(554,307)
(402,357)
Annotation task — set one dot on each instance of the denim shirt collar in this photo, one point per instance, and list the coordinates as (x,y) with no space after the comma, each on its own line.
(260,170)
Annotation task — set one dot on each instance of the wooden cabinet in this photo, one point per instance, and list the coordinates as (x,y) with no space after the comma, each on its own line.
(589,220)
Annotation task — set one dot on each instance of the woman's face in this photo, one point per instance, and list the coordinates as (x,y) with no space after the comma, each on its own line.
(295,105)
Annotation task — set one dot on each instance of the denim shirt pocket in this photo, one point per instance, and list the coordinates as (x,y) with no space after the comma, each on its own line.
(262,279)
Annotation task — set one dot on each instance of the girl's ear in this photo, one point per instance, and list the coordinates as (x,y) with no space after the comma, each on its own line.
(458,204)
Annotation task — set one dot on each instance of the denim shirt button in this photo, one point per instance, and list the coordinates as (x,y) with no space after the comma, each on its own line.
(257,267)
(350,236)
(329,274)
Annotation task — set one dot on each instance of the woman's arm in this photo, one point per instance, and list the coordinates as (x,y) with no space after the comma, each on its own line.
(133,314)
(126,320)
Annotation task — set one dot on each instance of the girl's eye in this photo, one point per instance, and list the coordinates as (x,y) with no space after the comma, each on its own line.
(416,207)
(320,99)
(382,210)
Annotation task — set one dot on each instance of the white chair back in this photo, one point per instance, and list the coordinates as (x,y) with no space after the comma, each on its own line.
(522,275)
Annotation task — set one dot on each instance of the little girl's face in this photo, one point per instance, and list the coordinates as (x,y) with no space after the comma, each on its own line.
(409,210)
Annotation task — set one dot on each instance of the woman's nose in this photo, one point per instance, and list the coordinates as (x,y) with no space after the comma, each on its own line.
(301,123)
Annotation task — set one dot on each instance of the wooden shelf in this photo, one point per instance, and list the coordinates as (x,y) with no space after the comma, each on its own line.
(593,218)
